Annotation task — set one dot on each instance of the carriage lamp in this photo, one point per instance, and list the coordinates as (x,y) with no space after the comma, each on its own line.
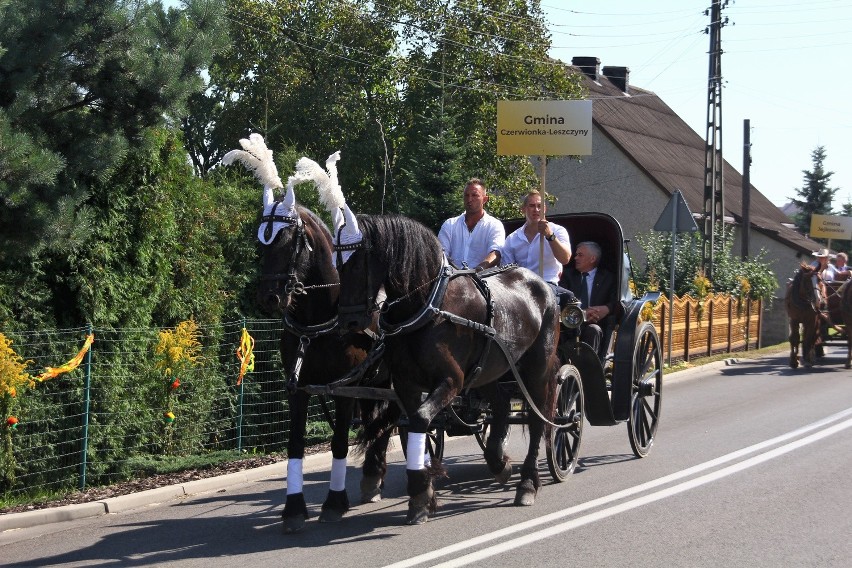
(573,315)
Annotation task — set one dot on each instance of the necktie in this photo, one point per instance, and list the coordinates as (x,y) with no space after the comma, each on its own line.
(584,291)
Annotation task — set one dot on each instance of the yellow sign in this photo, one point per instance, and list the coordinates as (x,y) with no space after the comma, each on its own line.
(831,227)
(539,128)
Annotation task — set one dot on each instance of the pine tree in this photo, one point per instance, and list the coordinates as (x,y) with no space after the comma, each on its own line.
(83,87)
(815,194)
(79,84)
(434,179)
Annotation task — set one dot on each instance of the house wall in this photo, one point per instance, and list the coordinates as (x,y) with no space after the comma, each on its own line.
(609,182)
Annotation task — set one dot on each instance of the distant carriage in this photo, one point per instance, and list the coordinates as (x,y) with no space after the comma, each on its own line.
(839,301)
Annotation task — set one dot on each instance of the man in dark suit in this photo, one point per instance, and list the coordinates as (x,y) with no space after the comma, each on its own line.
(596,289)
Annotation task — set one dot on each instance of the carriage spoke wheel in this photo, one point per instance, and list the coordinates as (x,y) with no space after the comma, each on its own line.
(434,443)
(563,444)
(646,390)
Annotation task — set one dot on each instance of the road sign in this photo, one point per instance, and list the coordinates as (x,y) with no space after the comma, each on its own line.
(831,227)
(544,128)
(676,217)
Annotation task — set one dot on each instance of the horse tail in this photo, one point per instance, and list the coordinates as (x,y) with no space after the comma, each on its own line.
(378,418)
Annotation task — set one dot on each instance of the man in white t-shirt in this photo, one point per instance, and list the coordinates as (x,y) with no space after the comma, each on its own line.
(474,238)
(523,245)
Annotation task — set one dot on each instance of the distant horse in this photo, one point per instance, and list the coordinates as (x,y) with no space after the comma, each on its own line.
(298,278)
(436,322)
(805,301)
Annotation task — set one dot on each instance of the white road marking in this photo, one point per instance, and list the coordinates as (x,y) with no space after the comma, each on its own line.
(637,502)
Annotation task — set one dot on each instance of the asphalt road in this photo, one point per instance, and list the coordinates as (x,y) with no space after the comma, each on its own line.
(750,468)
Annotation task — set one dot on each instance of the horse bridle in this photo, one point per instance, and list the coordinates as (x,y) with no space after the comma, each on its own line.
(293,284)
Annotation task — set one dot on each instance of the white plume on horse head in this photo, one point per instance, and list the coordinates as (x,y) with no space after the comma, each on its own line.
(257,158)
(346,229)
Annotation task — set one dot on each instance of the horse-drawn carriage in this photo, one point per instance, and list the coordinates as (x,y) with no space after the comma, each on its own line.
(622,385)
(377,301)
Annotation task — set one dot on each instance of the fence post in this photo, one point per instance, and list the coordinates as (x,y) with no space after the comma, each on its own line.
(730,321)
(748,324)
(710,328)
(87,391)
(759,323)
(686,330)
(240,407)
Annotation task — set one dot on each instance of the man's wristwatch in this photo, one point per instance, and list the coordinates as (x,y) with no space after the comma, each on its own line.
(550,237)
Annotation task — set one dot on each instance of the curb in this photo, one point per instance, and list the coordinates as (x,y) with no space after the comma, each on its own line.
(153,497)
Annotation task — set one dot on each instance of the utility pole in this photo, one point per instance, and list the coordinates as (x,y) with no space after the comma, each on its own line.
(746,231)
(714,199)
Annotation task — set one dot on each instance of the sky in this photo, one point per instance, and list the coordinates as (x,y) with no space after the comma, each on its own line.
(784,68)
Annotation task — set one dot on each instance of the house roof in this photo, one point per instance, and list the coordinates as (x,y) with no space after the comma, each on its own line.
(660,143)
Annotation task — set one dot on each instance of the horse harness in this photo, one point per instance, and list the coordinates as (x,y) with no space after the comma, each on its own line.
(293,285)
(432,312)
(800,302)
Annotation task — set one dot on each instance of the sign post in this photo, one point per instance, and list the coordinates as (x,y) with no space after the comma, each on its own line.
(544,128)
(675,218)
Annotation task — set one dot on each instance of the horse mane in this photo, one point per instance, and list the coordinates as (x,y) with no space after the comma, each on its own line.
(312,219)
(409,249)
(804,267)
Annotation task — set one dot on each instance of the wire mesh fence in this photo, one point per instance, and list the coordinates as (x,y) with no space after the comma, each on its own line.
(116,413)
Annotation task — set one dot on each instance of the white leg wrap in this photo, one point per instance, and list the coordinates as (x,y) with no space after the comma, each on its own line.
(338,474)
(415,450)
(294,477)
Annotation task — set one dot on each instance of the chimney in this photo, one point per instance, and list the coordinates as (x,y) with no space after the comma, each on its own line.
(589,66)
(619,76)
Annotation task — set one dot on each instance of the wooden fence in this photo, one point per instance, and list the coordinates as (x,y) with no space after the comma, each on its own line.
(717,324)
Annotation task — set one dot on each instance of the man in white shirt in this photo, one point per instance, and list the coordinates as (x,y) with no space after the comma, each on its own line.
(523,245)
(474,238)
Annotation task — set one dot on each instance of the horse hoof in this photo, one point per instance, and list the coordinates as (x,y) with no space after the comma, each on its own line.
(525,495)
(371,489)
(417,517)
(503,477)
(420,505)
(294,525)
(373,496)
(331,516)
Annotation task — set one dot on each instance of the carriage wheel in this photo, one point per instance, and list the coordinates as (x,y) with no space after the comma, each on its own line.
(434,443)
(563,445)
(646,390)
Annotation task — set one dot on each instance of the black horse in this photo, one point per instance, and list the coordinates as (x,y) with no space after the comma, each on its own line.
(299,278)
(446,330)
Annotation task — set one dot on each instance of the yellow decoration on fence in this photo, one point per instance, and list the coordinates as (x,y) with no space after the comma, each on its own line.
(50,372)
(245,353)
(13,369)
